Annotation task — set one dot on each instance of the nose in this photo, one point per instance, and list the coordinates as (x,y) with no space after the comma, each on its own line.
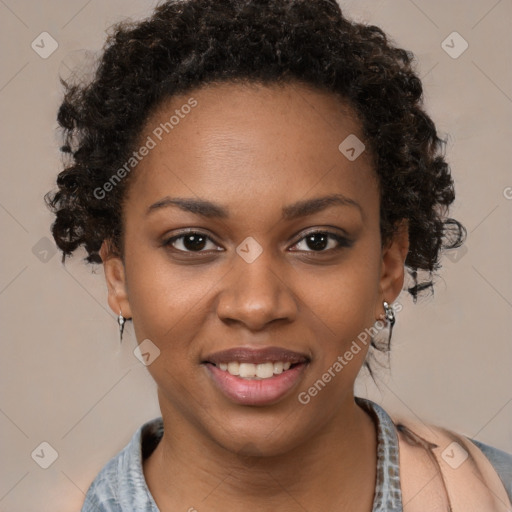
(255,294)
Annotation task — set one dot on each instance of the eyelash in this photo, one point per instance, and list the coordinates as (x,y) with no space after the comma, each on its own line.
(342,241)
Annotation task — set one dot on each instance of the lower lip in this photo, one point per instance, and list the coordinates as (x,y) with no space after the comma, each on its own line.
(256,392)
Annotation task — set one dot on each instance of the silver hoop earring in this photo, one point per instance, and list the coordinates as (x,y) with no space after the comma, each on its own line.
(121,321)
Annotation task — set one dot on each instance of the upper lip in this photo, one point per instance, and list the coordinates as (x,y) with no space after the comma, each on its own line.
(259,355)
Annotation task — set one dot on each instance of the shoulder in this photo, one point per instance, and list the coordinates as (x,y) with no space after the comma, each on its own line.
(488,469)
(120,485)
(501,462)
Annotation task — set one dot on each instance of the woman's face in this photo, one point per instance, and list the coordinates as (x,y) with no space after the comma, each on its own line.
(252,172)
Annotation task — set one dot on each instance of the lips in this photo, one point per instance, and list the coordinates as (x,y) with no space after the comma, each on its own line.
(257,356)
(244,375)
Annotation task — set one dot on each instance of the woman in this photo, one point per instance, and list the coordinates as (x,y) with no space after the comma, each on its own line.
(255,176)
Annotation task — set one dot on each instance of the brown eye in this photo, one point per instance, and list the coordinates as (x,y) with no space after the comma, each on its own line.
(190,242)
(323,241)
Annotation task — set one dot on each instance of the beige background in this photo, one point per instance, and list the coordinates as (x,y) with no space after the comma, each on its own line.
(64,378)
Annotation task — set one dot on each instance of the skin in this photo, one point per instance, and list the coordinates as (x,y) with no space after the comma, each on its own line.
(254,150)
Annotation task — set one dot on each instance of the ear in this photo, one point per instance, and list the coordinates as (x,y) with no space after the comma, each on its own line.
(394,254)
(116,280)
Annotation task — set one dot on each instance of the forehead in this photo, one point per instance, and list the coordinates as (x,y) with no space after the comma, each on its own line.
(244,141)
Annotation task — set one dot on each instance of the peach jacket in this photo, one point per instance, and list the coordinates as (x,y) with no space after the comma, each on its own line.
(444,471)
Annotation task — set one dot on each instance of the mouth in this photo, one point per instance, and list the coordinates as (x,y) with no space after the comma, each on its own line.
(256,376)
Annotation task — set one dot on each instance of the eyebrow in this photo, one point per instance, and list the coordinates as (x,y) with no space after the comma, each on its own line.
(208,209)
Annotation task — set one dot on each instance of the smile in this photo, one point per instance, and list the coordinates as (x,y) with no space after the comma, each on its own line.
(256,376)
(255,371)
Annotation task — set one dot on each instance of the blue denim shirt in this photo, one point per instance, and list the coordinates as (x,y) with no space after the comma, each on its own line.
(120,486)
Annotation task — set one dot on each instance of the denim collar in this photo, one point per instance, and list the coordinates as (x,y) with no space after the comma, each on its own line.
(121,484)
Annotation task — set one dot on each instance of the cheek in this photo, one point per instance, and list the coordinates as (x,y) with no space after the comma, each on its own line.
(162,298)
(346,296)
(167,310)
(340,307)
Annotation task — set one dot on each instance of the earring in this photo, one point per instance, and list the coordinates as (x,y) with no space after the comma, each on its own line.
(121,321)
(389,313)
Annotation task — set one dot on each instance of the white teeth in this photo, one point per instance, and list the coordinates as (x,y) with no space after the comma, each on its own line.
(255,371)
(247,370)
(233,368)
(278,368)
(265,370)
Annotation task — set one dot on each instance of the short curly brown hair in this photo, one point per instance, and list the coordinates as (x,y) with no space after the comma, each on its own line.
(188,44)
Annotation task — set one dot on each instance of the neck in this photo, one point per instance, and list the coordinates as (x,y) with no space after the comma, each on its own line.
(337,466)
